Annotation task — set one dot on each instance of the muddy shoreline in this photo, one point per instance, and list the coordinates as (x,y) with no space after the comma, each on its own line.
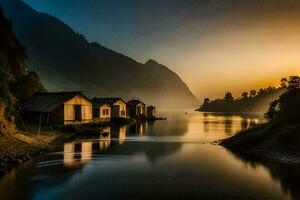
(16,155)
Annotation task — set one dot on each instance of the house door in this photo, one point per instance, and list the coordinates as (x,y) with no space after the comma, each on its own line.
(78,113)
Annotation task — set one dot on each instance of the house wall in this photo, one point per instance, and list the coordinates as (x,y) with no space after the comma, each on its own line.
(140,110)
(132,111)
(86,109)
(57,116)
(150,112)
(119,109)
(105,117)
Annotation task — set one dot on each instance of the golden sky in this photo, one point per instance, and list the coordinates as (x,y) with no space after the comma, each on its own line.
(214,45)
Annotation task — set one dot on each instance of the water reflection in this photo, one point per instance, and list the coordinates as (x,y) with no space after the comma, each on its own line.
(229,123)
(288,176)
(138,128)
(170,159)
(215,126)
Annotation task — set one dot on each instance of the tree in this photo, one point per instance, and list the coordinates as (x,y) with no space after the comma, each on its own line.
(228,97)
(16,81)
(294,82)
(6,78)
(284,82)
(206,101)
(245,95)
(273,110)
(286,109)
(253,93)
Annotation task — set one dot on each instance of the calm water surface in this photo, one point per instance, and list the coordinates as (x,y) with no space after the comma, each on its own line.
(173,159)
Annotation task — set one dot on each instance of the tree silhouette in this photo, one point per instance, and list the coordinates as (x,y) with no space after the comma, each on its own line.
(228,97)
(16,81)
(294,82)
(206,101)
(284,82)
(245,95)
(259,101)
(253,93)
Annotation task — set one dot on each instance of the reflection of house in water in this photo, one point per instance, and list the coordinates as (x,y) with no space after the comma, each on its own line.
(77,154)
(138,128)
(69,154)
(122,134)
(105,141)
(86,151)
(118,132)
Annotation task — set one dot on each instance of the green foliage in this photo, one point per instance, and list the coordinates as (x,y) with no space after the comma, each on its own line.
(286,109)
(6,78)
(16,82)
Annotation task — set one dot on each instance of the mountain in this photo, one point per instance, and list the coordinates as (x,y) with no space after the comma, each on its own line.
(65,60)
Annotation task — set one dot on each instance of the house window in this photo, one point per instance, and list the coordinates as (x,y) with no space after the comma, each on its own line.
(105,112)
(122,112)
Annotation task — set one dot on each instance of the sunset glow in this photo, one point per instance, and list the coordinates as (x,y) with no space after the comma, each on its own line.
(227,45)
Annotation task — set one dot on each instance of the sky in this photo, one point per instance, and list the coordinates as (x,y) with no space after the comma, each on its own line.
(215,46)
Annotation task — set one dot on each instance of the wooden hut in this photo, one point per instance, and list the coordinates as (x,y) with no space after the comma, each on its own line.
(136,108)
(118,106)
(58,107)
(151,111)
(101,112)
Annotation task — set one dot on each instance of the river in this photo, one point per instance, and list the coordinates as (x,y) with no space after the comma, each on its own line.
(172,159)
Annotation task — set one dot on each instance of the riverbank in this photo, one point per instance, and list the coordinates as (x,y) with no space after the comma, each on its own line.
(267,142)
(18,146)
(21,146)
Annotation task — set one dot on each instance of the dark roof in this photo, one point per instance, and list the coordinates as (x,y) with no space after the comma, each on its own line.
(151,107)
(48,102)
(100,101)
(100,104)
(134,102)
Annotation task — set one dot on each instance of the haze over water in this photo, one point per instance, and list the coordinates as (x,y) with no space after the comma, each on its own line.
(173,159)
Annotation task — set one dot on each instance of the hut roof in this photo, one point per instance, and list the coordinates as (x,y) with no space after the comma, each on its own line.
(48,102)
(151,107)
(100,101)
(101,104)
(134,102)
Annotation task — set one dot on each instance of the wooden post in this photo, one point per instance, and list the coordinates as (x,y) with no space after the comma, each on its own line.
(48,119)
(40,124)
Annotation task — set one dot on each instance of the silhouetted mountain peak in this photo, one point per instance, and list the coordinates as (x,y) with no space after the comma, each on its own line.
(65,60)
(152,62)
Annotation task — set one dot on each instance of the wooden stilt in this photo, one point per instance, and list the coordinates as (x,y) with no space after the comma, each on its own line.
(40,124)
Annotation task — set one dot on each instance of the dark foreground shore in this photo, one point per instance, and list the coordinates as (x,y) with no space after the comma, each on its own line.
(20,147)
(267,142)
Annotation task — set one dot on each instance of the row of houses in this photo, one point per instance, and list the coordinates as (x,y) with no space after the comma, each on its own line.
(75,107)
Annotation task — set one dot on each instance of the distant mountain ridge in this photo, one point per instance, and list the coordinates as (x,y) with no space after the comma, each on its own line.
(66,61)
